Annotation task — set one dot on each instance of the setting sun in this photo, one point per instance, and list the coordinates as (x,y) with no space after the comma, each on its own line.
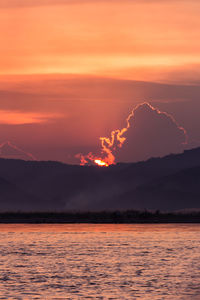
(101,163)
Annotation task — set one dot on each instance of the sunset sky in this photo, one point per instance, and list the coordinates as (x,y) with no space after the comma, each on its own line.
(73,70)
(130,39)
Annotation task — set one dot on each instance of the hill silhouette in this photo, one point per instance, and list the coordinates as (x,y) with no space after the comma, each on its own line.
(169,183)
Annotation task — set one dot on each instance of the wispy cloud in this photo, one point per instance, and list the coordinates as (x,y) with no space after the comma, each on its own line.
(31,3)
(17,117)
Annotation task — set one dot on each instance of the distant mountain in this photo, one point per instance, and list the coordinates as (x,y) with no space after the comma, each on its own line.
(179,191)
(169,183)
(13,198)
(9,150)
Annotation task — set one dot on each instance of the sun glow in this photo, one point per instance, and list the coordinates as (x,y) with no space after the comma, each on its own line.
(101,163)
(108,145)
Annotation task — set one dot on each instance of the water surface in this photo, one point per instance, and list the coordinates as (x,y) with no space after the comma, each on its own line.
(85,261)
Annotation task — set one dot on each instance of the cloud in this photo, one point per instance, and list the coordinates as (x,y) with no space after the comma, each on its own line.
(148,132)
(31,3)
(17,117)
(106,101)
(11,151)
(152,133)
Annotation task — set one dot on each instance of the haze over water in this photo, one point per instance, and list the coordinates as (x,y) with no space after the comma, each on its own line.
(85,261)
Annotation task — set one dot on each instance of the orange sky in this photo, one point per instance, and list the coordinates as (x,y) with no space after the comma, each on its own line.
(99,37)
(68,68)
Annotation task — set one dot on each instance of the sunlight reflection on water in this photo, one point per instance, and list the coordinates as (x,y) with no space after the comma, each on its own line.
(85,261)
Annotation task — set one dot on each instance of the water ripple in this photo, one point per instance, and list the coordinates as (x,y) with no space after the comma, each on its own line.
(100,261)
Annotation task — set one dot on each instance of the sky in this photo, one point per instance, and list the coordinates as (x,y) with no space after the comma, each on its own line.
(72,71)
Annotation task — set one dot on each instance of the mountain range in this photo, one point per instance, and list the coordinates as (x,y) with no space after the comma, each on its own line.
(169,183)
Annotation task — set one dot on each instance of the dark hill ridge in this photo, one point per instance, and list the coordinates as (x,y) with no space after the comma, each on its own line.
(168,183)
(173,192)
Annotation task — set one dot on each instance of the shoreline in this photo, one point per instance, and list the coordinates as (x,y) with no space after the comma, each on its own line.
(117,217)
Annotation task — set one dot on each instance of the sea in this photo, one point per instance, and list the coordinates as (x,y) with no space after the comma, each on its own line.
(101,261)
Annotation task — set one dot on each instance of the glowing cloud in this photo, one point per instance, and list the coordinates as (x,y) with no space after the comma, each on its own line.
(17,117)
(161,124)
(108,145)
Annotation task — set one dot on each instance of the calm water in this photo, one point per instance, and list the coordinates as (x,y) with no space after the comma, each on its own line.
(100,261)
